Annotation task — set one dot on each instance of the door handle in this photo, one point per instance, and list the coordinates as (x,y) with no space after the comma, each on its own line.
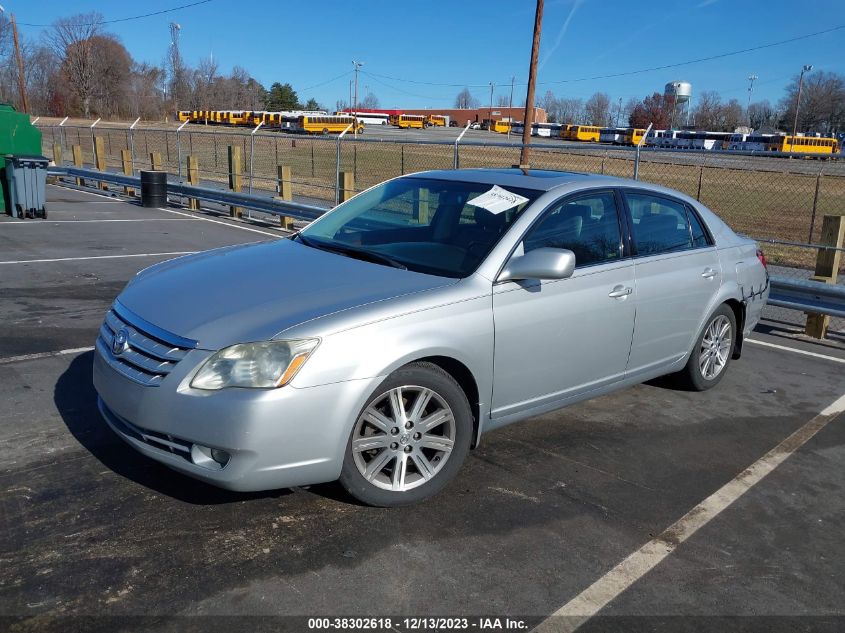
(620,291)
(709,273)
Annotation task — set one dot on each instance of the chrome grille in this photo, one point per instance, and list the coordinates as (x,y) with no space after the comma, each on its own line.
(147,358)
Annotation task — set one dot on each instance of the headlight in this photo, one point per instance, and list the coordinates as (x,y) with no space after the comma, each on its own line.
(255,365)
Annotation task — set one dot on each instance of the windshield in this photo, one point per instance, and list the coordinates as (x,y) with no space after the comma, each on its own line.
(439,227)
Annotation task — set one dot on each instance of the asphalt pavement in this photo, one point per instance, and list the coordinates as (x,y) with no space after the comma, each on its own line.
(96,537)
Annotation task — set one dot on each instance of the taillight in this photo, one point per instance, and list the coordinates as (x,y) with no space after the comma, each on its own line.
(762,257)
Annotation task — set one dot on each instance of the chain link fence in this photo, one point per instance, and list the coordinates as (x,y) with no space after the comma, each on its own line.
(778,199)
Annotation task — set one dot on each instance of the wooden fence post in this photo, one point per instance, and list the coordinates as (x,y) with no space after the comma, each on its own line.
(194,180)
(126,159)
(155,161)
(235,178)
(346,184)
(57,160)
(285,193)
(100,157)
(77,161)
(827,268)
(421,207)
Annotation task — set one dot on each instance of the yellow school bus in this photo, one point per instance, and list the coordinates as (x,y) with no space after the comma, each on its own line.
(565,131)
(804,144)
(438,120)
(502,127)
(327,124)
(406,121)
(633,136)
(183,115)
(587,133)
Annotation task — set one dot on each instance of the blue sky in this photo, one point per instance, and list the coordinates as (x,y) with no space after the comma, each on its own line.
(312,44)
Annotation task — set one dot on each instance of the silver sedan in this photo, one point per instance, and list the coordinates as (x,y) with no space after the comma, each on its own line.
(380,343)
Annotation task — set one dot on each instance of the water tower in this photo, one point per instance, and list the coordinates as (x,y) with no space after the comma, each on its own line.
(681,93)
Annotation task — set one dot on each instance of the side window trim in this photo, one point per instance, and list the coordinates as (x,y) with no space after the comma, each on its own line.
(693,214)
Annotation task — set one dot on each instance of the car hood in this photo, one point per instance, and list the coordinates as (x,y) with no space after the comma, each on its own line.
(254,292)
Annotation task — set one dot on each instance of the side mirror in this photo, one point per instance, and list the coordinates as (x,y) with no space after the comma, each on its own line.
(541,263)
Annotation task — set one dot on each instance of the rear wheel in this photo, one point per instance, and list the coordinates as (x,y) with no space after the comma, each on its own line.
(711,355)
(409,440)
(325,130)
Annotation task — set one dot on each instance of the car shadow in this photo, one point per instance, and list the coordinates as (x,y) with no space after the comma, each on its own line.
(76,402)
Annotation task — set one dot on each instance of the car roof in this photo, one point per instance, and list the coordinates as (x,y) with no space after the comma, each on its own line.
(538,179)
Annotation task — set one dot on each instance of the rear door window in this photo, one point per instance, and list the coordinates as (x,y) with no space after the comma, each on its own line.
(660,225)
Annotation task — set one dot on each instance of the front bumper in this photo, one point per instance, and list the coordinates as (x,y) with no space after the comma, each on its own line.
(276,438)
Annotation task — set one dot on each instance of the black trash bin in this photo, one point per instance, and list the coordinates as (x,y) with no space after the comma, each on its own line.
(154,189)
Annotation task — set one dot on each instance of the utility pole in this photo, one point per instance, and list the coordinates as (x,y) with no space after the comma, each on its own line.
(19,62)
(807,68)
(751,80)
(510,109)
(528,117)
(490,111)
(357,66)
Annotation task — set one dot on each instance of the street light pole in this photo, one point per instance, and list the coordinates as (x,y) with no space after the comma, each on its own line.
(490,111)
(357,66)
(510,109)
(751,80)
(807,68)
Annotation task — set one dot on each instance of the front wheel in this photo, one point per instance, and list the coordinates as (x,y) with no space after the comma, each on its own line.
(712,353)
(409,440)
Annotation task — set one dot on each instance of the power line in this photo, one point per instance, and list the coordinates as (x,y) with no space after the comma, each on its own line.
(633,72)
(134,17)
(328,81)
(411,94)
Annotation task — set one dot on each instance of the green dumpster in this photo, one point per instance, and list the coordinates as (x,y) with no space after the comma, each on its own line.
(17,136)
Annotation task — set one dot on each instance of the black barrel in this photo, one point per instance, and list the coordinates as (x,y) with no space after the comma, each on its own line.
(154,189)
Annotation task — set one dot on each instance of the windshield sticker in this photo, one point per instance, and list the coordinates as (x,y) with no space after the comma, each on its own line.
(497,200)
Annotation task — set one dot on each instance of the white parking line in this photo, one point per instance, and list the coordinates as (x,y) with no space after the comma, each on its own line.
(78,259)
(598,595)
(234,226)
(796,350)
(187,215)
(62,352)
(49,222)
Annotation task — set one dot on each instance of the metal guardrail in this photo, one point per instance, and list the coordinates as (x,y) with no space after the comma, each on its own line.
(796,294)
(273,206)
(807,296)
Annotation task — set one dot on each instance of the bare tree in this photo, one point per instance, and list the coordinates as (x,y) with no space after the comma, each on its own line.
(70,38)
(762,116)
(465,100)
(708,111)
(570,110)
(822,103)
(549,103)
(369,102)
(597,109)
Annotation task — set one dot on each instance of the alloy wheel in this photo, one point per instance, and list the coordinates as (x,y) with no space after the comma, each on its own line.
(403,438)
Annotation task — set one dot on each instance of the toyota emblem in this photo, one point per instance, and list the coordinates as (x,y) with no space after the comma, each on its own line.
(119,344)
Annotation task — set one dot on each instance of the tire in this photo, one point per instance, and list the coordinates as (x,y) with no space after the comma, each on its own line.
(699,373)
(378,447)
(325,131)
